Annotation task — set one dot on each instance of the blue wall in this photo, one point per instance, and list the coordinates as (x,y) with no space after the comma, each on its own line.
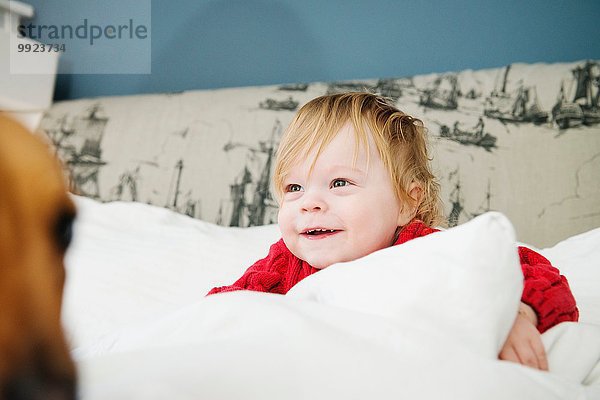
(200,44)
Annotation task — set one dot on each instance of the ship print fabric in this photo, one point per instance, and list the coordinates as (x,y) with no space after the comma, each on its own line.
(523,139)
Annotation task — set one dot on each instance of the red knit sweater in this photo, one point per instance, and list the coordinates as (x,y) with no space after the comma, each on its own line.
(546,290)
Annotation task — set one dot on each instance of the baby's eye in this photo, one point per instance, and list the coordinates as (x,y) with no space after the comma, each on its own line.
(293,187)
(339,183)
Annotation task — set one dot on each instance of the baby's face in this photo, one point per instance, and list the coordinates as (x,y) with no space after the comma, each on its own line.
(340,213)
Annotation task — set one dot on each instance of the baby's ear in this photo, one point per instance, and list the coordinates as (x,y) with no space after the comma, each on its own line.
(408,212)
(416,194)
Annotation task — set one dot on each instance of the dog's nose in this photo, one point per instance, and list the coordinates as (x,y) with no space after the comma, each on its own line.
(38,387)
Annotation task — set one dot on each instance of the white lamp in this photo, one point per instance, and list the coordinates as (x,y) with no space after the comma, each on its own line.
(27,81)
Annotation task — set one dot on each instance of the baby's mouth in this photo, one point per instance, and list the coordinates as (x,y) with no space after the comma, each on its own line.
(318,233)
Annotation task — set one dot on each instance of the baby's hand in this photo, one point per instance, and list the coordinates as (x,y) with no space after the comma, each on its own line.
(524,344)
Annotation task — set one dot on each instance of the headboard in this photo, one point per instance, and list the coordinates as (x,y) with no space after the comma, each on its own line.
(523,139)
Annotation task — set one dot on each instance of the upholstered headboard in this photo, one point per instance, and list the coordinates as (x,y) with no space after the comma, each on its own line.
(523,139)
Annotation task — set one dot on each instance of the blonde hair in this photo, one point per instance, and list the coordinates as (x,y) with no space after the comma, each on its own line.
(400,140)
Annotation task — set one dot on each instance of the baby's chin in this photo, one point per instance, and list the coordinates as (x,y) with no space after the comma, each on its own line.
(323,258)
(315,262)
(324,263)
(321,266)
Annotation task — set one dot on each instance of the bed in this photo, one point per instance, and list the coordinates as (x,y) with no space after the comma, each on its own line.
(140,327)
(172,201)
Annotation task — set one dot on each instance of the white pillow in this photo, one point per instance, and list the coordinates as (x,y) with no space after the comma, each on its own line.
(466,282)
(131,262)
(578,258)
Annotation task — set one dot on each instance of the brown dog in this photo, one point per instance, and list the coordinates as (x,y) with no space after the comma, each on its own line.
(35,229)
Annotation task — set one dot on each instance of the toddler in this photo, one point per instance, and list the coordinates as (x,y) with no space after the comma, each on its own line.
(352,176)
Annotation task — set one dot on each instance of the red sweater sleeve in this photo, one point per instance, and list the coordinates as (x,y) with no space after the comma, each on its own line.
(264,275)
(546,291)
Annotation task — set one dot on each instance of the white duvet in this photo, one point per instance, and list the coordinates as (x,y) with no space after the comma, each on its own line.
(423,320)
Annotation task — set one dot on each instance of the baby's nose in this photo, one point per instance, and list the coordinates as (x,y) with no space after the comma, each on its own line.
(312,208)
(313,202)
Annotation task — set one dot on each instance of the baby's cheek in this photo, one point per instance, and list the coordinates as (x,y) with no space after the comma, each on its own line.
(284,220)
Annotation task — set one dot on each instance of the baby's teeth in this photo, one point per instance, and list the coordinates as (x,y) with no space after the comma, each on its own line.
(320,230)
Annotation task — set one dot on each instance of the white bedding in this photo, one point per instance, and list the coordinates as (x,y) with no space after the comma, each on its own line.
(140,327)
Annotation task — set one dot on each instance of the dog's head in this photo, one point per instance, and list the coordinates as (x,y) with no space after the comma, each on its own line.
(36,215)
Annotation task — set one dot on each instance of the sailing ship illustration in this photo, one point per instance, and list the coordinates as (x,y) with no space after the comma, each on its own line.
(173,193)
(58,131)
(475,136)
(389,88)
(584,109)
(191,207)
(350,86)
(472,94)
(443,94)
(278,105)
(127,184)
(294,87)
(78,144)
(456,200)
(588,81)
(566,114)
(457,211)
(520,106)
(251,202)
